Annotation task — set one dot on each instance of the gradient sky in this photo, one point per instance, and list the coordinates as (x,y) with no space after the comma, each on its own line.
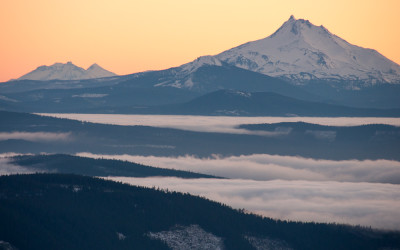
(127,36)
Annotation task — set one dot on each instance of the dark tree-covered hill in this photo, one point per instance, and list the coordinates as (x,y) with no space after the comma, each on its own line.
(68,164)
(54,211)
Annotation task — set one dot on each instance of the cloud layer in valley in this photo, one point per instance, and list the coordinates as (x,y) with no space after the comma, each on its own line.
(35,136)
(221,124)
(368,204)
(271,167)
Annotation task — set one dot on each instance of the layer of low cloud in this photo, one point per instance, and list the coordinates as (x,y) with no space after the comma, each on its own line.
(91,95)
(35,136)
(11,154)
(221,124)
(8,168)
(368,204)
(271,167)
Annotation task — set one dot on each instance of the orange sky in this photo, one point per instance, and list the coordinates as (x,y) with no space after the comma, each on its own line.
(127,36)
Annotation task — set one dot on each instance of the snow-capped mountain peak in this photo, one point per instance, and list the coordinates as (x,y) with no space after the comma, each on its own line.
(66,71)
(94,66)
(95,71)
(300,51)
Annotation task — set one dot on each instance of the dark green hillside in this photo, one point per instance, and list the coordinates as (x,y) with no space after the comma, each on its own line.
(52,211)
(69,164)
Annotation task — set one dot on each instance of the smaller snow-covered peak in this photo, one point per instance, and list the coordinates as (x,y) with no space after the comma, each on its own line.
(63,64)
(59,65)
(95,71)
(66,71)
(94,66)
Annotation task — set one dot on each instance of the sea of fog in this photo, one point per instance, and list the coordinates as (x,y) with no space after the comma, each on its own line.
(263,167)
(222,124)
(358,192)
(350,192)
(367,204)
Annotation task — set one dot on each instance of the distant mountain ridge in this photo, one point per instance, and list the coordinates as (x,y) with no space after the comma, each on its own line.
(300,60)
(241,103)
(67,71)
(300,51)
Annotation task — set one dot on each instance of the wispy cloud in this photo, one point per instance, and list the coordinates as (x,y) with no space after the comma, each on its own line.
(368,204)
(11,154)
(35,136)
(7,168)
(271,167)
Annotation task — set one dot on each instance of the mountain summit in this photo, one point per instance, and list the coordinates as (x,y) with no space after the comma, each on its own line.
(67,71)
(300,51)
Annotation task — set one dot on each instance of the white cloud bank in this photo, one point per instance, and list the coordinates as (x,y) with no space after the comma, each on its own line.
(271,167)
(368,204)
(35,136)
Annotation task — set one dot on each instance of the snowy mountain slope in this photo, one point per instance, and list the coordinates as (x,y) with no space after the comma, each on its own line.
(182,76)
(300,51)
(67,71)
(95,71)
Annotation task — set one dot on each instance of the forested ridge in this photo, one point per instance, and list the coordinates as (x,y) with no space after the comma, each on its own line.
(69,164)
(62,211)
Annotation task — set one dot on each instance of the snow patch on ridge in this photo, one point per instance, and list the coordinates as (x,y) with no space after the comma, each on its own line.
(199,62)
(267,243)
(190,237)
(182,75)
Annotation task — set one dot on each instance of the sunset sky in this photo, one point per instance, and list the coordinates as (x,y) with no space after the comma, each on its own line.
(128,36)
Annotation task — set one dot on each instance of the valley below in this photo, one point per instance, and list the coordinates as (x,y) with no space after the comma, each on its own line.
(279,167)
